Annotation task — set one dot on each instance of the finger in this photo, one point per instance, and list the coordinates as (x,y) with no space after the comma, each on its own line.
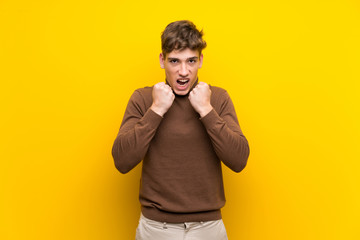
(159,85)
(164,87)
(168,91)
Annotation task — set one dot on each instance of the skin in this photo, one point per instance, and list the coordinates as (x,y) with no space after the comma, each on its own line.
(181,65)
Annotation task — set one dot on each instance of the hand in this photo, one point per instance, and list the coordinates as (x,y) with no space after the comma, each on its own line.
(200,99)
(163,97)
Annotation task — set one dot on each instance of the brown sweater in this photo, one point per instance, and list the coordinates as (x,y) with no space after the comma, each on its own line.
(182,153)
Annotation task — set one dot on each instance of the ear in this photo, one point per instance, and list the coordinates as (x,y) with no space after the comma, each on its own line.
(162,60)
(201,60)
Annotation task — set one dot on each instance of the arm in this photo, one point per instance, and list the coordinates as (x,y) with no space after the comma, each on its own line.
(226,136)
(137,129)
(139,126)
(221,125)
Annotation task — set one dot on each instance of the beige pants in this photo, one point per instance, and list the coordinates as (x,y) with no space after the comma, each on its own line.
(153,230)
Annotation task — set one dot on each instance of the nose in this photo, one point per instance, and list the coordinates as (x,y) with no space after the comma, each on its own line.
(183,70)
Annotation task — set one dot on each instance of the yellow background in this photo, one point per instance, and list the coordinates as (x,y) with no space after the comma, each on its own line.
(68,68)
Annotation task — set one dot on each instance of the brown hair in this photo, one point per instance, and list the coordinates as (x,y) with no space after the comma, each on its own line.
(180,35)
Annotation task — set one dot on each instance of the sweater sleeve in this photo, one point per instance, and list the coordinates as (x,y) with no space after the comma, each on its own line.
(137,130)
(226,136)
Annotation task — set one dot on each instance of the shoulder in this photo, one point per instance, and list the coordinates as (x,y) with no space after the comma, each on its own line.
(144,91)
(220,99)
(141,94)
(218,93)
(142,97)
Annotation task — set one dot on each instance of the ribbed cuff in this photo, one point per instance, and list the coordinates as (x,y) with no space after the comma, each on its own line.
(210,119)
(152,118)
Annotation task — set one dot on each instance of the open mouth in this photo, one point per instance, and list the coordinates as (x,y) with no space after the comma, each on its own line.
(182,82)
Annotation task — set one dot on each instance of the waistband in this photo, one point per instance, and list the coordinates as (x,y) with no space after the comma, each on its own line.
(178,226)
(162,216)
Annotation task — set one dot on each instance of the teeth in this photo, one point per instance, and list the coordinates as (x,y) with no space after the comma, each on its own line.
(182,80)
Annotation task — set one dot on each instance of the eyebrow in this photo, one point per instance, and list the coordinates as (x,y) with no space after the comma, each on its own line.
(190,58)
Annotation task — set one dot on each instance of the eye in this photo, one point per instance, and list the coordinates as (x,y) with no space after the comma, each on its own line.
(173,61)
(192,61)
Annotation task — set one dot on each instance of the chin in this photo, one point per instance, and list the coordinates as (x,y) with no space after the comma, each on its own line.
(181,93)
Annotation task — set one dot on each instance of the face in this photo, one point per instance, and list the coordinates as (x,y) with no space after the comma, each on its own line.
(181,69)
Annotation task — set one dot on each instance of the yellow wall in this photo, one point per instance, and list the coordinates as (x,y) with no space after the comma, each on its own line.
(68,68)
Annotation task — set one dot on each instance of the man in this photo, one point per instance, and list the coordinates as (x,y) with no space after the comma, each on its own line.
(182,130)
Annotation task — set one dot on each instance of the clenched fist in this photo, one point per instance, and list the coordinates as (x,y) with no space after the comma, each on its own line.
(200,99)
(163,97)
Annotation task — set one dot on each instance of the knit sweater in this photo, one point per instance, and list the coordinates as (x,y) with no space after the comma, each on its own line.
(181,177)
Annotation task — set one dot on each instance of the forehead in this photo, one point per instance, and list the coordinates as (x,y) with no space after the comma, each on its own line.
(183,54)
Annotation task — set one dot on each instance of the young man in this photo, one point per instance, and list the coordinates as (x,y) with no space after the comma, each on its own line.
(182,130)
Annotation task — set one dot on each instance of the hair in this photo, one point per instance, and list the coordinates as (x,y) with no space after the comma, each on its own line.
(180,35)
